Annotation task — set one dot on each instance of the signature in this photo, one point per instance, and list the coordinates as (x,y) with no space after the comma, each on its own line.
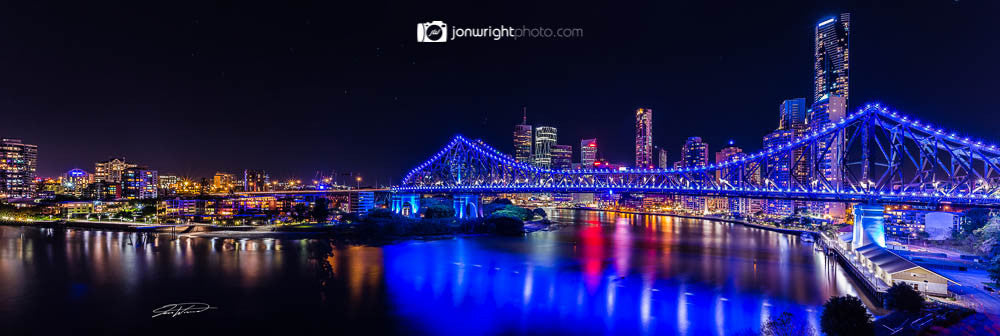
(177,309)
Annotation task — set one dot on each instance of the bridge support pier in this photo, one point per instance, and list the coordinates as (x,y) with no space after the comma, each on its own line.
(467,206)
(869,225)
(406,204)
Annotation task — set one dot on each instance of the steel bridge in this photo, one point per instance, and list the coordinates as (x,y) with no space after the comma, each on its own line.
(874,156)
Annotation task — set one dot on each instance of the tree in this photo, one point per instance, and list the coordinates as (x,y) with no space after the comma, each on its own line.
(380,213)
(506,223)
(539,212)
(502,201)
(321,209)
(903,298)
(846,316)
(785,325)
(439,211)
(300,212)
(994,271)
(147,210)
(495,205)
(974,219)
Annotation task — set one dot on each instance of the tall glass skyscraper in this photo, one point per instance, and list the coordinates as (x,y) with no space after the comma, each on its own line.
(694,153)
(18,164)
(522,141)
(828,155)
(588,152)
(644,138)
(831,66)
(545,138)
(562,157)
(792,114)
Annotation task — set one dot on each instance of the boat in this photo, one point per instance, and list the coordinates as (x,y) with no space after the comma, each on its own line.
(806,237)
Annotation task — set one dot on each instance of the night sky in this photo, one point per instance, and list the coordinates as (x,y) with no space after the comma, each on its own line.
(191,89)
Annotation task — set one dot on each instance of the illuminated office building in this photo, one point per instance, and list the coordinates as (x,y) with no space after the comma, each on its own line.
(111,170)
(170,184)
(223,182)
(694,153)
(562,157)
(792,114)
(644,138)
(139,183)
(831,66)
(662,162)
(18,163)
(256,180)
(726,154)
(545,138)
(828,154)
(522,141)
(588,152)
(75,181)
(779,167)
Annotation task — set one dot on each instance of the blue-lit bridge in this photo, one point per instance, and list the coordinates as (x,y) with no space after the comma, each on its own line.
(873,156)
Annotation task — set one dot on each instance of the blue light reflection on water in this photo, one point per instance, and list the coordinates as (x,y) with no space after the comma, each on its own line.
(602,273)
(614,274)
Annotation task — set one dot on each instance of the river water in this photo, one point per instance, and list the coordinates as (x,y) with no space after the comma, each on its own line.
(602,273)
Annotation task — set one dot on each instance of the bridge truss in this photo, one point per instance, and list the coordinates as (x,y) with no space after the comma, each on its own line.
(873,155)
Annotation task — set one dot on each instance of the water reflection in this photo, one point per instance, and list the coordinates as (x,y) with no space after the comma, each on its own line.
(605,273)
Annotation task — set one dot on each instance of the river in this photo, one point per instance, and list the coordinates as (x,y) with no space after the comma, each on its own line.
(602,273)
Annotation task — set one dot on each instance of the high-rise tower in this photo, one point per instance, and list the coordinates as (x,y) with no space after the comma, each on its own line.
(545,138)
(522,140)
(588,152)
(831,65)
(644,138)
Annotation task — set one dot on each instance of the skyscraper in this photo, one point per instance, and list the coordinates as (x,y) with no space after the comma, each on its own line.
(694,153)
(111,170)
(522,141)
(792,114)
(256,180)
(828,155)
(75,181)
(828,110)
(562,157)
(18,163)
(662,156)
(223,182)
(831,66)
(139,183)
(545,138)
(588,152)
(725,155)
(644,138)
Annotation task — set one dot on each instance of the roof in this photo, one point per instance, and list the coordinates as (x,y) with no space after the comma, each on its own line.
(846,237)
(889,261)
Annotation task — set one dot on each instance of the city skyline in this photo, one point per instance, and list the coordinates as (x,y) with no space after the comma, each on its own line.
(296,153)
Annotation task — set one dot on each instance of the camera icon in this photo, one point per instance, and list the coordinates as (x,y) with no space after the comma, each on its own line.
(434,31)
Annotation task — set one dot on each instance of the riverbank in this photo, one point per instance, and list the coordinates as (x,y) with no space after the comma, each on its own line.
(112,226)
(728,220)
(296,231)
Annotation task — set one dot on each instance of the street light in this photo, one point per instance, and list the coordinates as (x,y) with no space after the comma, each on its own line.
(359,182)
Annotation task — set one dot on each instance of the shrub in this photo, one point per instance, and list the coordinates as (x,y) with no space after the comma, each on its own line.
(380,213)
(845,316)
(439,211)
(502,201)
(902,297)
(540,213)
(506,223)
(785,325)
